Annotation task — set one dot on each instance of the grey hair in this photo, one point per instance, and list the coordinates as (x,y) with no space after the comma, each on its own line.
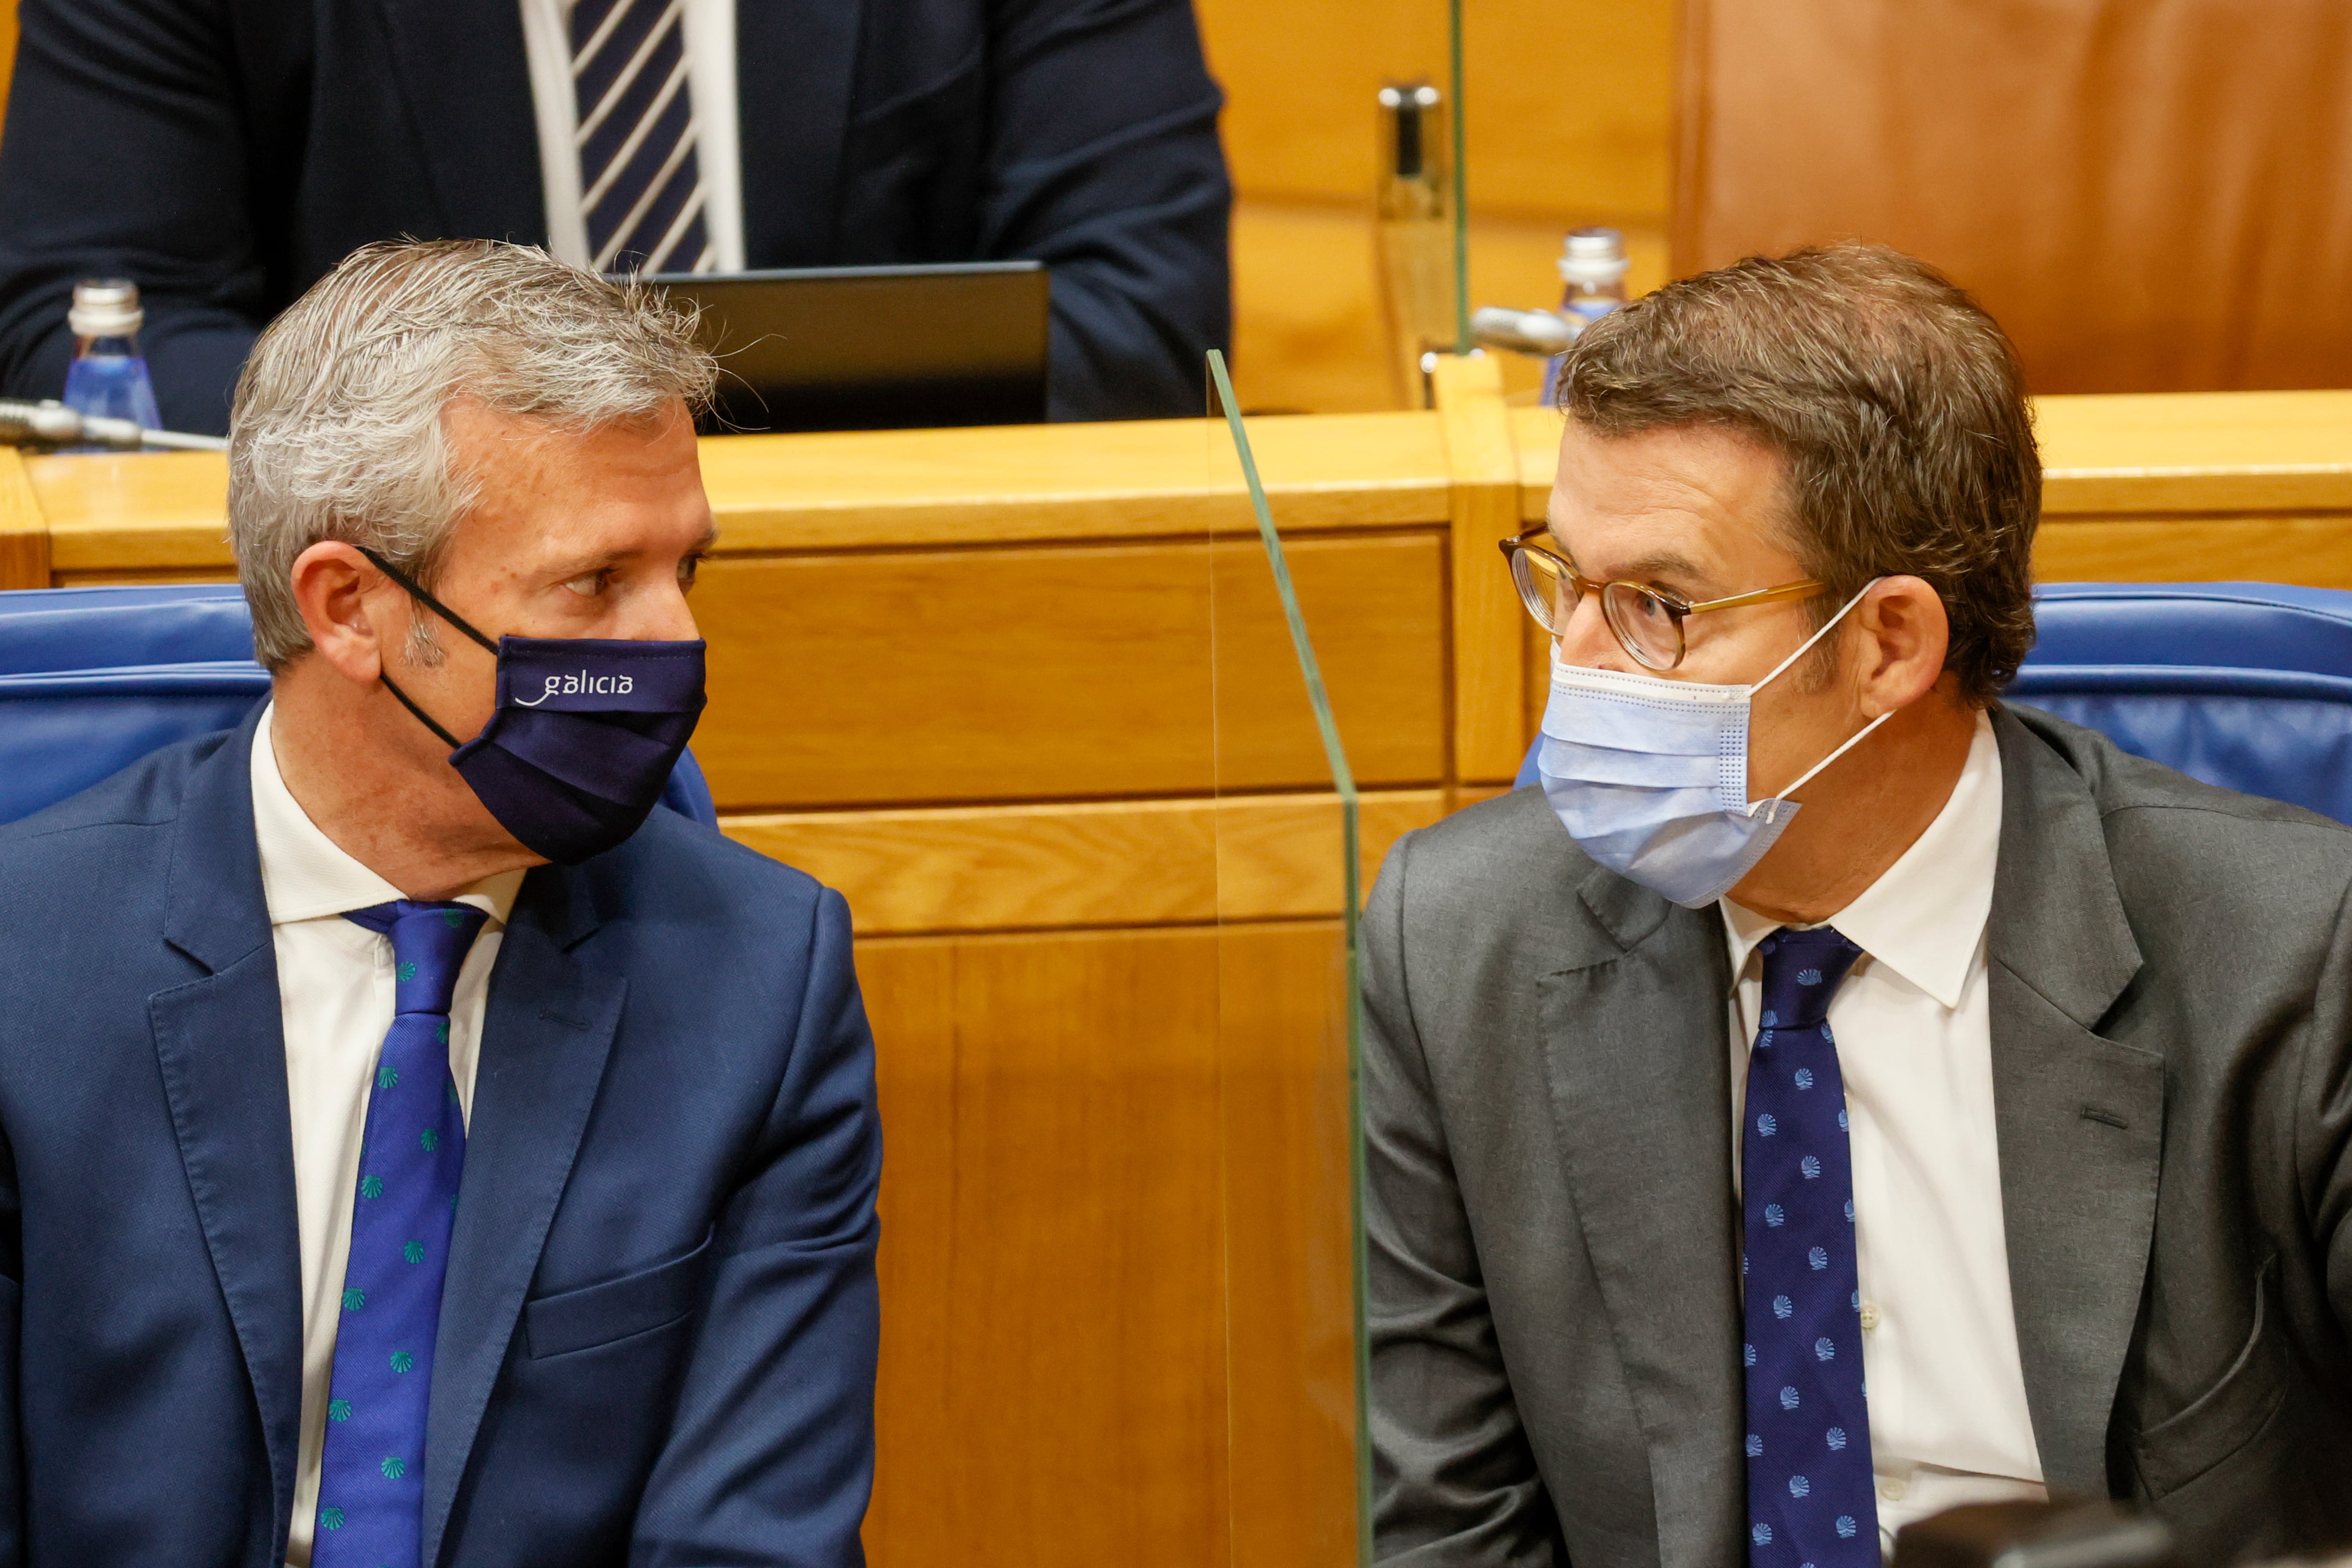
(337,434)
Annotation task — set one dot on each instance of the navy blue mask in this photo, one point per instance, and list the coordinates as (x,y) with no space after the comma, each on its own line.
(584,736)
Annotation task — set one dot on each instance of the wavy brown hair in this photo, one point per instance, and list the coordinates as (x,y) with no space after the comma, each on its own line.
(1895,402)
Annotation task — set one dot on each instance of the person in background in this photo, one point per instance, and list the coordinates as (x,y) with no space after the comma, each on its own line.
(1838,1094)
(224,155)
(416,1157)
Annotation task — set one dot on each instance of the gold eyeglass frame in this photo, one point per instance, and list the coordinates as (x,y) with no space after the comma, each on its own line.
(1674,605)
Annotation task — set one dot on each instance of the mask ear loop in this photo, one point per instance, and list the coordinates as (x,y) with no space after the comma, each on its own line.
(443,610)
(417,593)
(1774,802)
(1807,777)
(1802,648)
(451,741)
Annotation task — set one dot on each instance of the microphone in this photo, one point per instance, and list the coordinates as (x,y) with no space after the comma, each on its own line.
(1523,332)
(50,422)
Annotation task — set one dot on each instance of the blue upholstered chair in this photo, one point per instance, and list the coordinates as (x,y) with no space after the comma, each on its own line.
(2246,685)
(92,679)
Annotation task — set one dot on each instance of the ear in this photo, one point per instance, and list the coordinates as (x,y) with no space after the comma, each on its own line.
(1903,635)
(342,600)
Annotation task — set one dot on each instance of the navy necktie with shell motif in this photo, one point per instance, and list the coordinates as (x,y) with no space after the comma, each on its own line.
(372,1468)
(1809,1498)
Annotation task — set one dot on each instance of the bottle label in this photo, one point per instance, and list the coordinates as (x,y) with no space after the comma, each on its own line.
(112,386)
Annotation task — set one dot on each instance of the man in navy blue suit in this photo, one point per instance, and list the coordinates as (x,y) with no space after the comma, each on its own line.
(429,1156)
(223,155)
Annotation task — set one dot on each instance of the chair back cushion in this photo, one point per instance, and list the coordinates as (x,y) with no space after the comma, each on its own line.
(93,679)
(2244,684)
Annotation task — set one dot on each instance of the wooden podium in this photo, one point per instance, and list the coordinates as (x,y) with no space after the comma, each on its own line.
(1025,697)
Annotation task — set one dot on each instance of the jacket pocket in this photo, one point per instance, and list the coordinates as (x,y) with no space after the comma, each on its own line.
(615,1309)
(2227,1416)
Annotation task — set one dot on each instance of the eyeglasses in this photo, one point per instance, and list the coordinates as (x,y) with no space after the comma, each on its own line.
(1647,621)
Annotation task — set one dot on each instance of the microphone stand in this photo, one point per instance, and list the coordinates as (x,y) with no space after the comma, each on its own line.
(49,423)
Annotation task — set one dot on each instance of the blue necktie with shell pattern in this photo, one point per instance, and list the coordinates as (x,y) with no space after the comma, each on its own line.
(371,1469)
(1809,1498)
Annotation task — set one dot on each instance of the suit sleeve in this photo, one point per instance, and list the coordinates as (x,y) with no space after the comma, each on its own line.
(2324,1109)
(1104,163)
(124,157)
(1454,1481)
(12,1323)
(769,1460)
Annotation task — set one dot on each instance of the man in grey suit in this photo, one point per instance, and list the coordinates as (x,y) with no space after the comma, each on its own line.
(1748,1181)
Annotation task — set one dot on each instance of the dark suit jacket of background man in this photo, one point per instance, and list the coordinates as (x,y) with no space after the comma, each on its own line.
(658,1337)
(1554,1239)
(223,155)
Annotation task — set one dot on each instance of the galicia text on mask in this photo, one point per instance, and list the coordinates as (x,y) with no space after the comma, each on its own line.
(576,779)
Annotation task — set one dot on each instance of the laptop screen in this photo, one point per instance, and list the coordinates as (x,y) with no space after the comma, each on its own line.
(873,348)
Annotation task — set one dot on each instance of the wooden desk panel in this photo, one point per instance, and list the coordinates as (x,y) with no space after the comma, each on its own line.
(147,517)
(23,530)
(1290,1345)
(1053,1355)
(1087,864)
(158,515)
(1026,484)
(2313,549)
(1065,673)
(1115,1268)
(2140,455)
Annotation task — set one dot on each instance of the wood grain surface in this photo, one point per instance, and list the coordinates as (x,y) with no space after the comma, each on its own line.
(1088,864)
(2148,197)
(936,677)
(1488,655)
(1114,1255)
(875,489)
(24,533)
(1052,1389)
(2134,454)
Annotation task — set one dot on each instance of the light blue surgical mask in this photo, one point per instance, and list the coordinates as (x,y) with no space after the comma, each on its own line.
(1650,776)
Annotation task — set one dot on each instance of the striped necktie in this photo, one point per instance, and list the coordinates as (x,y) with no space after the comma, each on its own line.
(640,180)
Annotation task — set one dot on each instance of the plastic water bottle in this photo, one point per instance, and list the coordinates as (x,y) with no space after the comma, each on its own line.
(107,378)
(1592,268)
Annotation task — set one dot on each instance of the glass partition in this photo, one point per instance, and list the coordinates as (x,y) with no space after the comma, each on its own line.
(1005,754)
(1289,887)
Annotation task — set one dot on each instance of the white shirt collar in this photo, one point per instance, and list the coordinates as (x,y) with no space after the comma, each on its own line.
(1925,913)
(306,875)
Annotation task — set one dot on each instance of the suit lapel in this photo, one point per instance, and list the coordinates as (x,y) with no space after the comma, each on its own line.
(792,138)
(1639,1072)
(2080,1117)
(220,1043)
(547,1031)
(464,77)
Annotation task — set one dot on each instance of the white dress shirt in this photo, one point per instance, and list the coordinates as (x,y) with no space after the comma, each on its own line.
(709,77)
(1948,1422)
(335,1001)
